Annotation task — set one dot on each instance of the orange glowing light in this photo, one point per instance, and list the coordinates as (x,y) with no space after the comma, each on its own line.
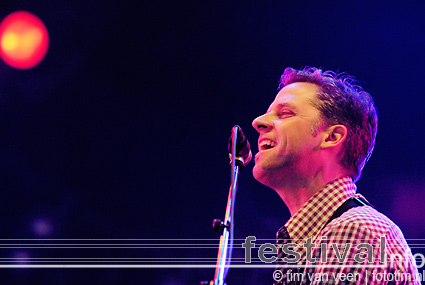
(23,40)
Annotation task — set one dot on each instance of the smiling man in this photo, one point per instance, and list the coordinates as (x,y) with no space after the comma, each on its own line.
(314,141)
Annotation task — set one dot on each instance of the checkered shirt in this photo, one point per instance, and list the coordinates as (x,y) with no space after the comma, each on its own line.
(350,249)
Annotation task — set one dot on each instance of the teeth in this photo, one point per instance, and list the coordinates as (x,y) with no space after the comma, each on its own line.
(268,142)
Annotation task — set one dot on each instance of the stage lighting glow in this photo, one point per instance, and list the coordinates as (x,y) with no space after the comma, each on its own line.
(42,228)
(23,40)
(21,257)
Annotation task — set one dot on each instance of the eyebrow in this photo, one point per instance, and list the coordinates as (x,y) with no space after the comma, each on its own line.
(283,105)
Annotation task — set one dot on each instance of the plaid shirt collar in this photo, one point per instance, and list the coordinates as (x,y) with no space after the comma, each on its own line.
(311,218)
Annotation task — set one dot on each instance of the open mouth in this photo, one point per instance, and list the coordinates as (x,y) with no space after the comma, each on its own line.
(267,144)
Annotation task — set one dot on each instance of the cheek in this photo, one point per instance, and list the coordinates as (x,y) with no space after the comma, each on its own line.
(296,142)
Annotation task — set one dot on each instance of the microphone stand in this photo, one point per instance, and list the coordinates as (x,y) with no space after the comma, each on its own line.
(225,249)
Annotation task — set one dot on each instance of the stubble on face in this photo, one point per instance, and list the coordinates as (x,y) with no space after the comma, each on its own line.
(294,133)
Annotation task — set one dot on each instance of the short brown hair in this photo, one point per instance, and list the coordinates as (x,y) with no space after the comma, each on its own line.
(342,101)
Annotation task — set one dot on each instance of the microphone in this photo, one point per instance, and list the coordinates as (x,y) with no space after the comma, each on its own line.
(243,149)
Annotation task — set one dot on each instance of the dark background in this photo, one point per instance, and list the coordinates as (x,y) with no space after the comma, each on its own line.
(121,132)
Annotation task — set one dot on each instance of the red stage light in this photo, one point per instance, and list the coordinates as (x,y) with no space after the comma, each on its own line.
(23,40)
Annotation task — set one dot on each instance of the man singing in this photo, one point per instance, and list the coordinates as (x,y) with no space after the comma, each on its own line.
(314,141)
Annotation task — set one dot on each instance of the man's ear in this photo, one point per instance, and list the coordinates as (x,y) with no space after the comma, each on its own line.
(334,136)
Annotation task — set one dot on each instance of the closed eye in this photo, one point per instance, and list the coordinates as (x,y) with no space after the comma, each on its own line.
(285,113)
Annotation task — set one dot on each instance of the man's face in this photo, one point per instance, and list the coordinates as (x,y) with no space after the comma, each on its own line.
(287,143)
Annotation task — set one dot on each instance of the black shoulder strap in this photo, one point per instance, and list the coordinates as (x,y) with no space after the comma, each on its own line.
(347,205)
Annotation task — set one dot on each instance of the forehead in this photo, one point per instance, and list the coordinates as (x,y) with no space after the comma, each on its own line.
(297,95)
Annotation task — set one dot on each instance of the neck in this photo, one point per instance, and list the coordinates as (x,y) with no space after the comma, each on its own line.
(296,192)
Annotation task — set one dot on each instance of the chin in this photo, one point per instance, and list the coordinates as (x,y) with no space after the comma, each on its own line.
(260,174)
(255,172)
(269,175)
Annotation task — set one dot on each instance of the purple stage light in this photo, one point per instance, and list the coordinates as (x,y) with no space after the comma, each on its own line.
(42,228)
(21,257)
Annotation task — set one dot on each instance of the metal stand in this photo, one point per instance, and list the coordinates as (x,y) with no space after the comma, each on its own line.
(225,227)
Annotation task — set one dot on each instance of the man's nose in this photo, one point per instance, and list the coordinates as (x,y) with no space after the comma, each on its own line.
(262,123)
